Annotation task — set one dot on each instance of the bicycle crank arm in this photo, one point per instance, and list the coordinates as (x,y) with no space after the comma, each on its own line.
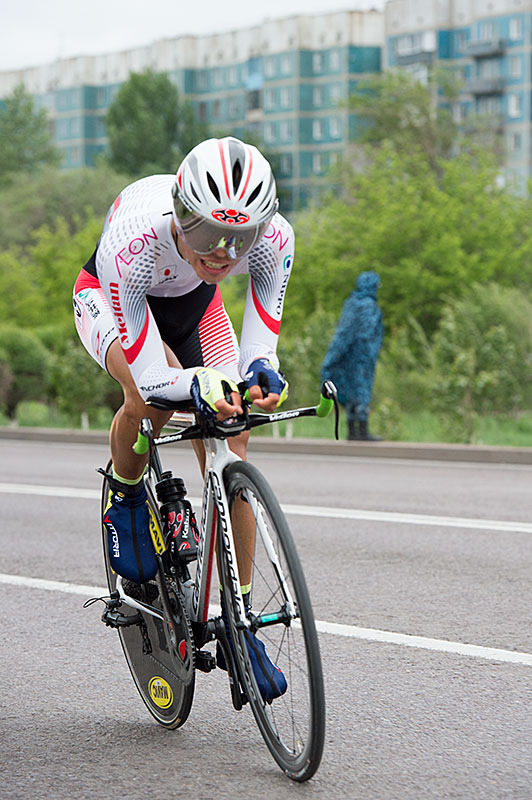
(237,696)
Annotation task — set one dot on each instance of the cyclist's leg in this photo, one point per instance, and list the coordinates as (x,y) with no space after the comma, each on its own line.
(125,425)
(96,329)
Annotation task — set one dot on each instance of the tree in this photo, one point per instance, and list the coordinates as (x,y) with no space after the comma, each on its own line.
(149,129)
(26,362)
(25,140)
(397,107)
(36,282)
(33,200)
(430,236)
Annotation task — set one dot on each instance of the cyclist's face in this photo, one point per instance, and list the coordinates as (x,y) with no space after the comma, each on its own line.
(212,268)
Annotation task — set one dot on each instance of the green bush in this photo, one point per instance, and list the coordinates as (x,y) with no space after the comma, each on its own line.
(32,414)
(29,363)
(482,357)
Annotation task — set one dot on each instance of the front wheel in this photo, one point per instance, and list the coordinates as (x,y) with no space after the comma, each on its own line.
(157,659)
(292,725)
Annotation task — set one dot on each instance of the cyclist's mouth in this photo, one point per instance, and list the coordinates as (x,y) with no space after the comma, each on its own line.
(214,267)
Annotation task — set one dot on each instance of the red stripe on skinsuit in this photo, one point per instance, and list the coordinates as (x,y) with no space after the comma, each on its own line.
(132,352)
(86,281)
(271,323)
(115,206)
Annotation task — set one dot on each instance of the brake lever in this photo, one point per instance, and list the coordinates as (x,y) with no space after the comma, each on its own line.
(329,392)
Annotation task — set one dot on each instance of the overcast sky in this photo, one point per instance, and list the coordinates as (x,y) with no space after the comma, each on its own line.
(37,32)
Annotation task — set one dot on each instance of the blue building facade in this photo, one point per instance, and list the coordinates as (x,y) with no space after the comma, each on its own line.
(285,84)
(490,47)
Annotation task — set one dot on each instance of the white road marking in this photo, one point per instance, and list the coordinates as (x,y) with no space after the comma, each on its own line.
(513,526)
(333,628)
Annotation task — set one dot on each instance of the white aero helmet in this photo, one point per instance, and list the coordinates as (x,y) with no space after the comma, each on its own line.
(224,196)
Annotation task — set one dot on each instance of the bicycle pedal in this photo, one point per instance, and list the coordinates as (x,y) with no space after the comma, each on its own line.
(205,661)
(115,619)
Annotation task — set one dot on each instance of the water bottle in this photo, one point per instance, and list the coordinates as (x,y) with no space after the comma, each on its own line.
(179,523)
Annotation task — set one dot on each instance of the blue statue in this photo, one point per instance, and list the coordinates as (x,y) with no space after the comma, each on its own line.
(353,352)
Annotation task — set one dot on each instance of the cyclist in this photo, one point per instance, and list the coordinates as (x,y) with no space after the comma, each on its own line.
(148,309)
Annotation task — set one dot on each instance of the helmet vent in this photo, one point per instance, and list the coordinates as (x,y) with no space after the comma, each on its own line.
(237,175)
(194,192)
(254,194)
(213,187)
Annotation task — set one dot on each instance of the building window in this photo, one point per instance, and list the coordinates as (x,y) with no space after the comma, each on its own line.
(232,76)
(269,132)
(334,128)
(253,100)
(286,164)
(317,129)
(202,111)
(217,78)
(317,63)
(489,68)
(409,44)
(286,65)
(515,105)
(317,97)
(285,130)
(334,60)
(516,67)
(515,142)
(488,31)
(317,163)
(336,93)
(286,97)
(488,106)
(201,80)
(459,39)
(216,109)
(269,67)
(516,28)
(269,99)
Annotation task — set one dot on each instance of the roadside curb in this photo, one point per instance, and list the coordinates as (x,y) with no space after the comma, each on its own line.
(424,451)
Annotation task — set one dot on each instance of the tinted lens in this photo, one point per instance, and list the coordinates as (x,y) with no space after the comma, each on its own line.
(204,236)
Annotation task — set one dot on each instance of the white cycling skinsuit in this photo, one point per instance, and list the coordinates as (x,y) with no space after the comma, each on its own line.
(137,287)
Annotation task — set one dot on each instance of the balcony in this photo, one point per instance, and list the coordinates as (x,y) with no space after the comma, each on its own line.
(419,57)
(478,86)
(483,48)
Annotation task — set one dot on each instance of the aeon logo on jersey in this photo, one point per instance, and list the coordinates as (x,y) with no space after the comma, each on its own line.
(230,216)
(274,234)
(117,308)
(134,248)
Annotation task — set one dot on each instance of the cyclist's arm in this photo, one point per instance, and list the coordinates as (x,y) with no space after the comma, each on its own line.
(270,265)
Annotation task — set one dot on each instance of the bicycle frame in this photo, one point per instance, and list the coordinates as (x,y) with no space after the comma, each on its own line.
(214,512)
(215,508)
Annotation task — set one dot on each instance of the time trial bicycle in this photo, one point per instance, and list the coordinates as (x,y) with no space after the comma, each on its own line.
(165,624)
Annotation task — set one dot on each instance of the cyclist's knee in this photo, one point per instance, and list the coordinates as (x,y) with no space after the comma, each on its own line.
(238,444)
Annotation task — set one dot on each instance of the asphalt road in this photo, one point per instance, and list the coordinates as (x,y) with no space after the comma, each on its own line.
(420,574)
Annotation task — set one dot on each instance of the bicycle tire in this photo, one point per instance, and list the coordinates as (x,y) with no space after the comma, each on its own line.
(293,725)
(166,696)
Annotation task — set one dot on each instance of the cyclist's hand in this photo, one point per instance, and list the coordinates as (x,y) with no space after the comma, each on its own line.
(215,395)
(266,386)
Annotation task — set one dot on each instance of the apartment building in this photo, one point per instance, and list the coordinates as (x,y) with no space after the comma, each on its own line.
(489,43)
(285,82)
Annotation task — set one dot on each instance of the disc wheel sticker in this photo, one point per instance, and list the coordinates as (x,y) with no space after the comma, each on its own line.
(160,692)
